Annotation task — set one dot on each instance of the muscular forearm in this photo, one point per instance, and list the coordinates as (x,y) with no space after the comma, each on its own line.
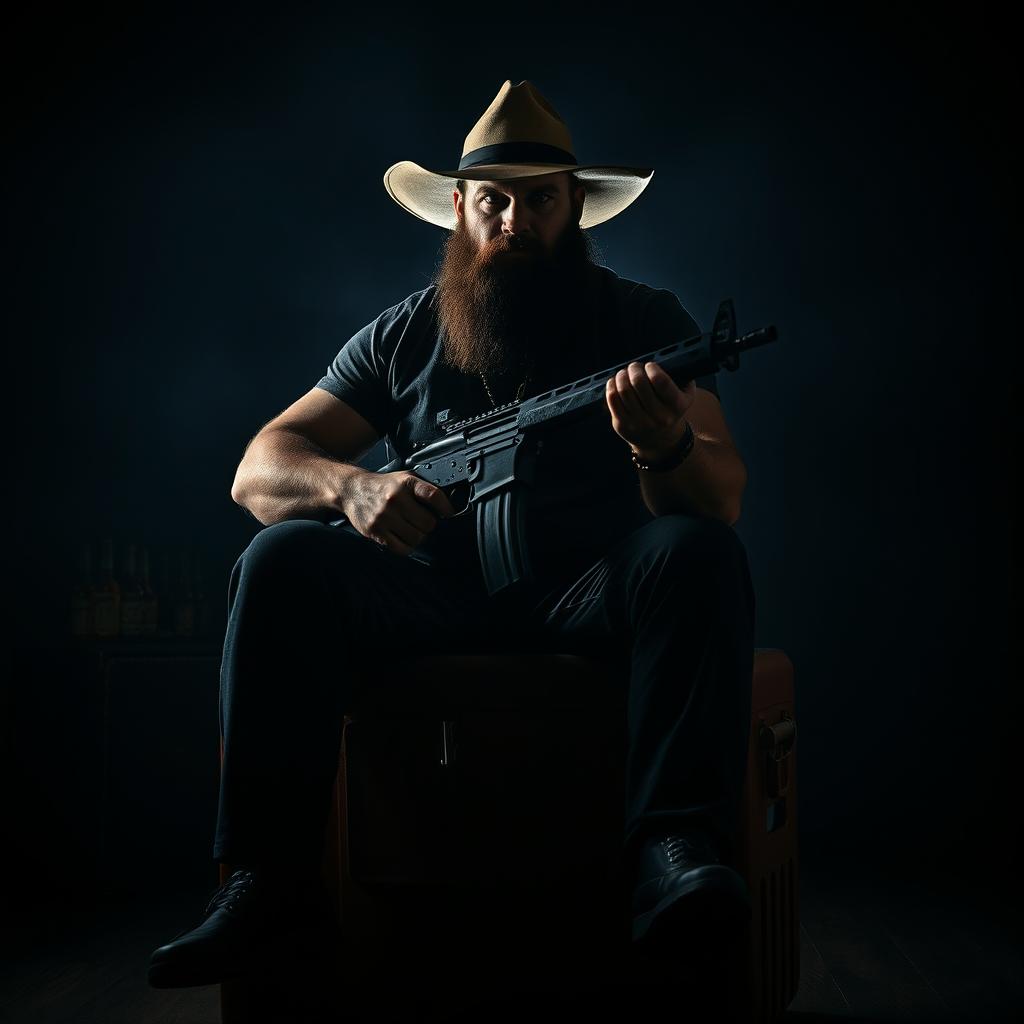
(284,475)
(709,482)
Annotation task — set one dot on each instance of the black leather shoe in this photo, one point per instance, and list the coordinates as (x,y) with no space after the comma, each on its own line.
(250,919)
(683,894)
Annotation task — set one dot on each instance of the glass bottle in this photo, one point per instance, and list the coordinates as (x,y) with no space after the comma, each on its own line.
(81,594)
(165,595)
(184,601)
(150,602)
(202,604)
(106,595)
(132,606)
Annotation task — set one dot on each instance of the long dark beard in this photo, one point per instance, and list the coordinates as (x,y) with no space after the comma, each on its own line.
(500,313)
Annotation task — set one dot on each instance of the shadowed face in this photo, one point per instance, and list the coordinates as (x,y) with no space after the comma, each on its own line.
(511,277)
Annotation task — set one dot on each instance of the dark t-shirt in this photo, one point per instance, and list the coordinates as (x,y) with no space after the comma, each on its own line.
(586,492)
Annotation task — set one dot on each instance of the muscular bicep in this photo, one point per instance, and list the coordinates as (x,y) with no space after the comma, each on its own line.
(328,422)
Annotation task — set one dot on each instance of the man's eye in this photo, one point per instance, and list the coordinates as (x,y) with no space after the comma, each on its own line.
(540,195)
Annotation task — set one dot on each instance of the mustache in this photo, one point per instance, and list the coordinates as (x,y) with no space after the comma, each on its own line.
(515,243)
(504,244)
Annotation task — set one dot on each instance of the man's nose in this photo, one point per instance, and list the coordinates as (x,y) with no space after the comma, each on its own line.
(516,220)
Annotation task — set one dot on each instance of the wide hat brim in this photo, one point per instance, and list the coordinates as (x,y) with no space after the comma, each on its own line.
(427,194)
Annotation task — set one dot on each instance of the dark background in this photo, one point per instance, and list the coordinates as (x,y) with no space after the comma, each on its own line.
(199,223)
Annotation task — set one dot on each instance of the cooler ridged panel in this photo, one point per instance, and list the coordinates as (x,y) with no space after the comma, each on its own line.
(780,941)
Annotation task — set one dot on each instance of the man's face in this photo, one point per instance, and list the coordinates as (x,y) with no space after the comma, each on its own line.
(526,215)
(511,276)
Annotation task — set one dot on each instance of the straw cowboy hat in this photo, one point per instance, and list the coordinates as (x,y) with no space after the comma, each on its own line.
(518,136)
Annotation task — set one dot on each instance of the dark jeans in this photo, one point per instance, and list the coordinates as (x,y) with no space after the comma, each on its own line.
(314,607)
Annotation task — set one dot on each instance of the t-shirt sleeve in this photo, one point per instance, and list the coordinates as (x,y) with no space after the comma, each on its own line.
(665,322)
(358,374)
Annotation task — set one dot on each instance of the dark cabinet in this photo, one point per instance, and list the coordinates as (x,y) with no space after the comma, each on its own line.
(114,765)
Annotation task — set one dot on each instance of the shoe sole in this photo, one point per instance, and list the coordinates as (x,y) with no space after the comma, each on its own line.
(712,902)
(174,975)
(177,973)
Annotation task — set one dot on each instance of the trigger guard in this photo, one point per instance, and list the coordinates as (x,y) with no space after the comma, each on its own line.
(458,494)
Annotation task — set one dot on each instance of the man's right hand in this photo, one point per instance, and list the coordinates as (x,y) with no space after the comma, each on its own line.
(397,510)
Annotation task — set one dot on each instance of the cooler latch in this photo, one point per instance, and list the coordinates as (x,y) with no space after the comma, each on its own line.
(776,742)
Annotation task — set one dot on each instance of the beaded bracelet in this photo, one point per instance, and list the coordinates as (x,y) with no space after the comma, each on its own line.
(670,461)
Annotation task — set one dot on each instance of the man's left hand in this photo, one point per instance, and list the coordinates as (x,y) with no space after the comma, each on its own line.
(648,408)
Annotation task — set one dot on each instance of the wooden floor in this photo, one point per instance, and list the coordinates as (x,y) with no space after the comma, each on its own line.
(872,949)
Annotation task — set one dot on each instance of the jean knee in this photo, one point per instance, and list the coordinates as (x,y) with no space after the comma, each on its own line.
(696,540)
(292,547)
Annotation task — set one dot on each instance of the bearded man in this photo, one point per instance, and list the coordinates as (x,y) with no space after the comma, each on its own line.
(630,533)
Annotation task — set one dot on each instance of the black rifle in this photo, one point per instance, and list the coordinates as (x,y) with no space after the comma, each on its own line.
(486,460)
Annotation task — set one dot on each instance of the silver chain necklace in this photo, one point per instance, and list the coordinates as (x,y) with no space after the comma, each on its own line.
(519,393)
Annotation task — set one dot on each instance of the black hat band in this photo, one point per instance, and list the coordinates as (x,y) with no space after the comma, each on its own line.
(516,153)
